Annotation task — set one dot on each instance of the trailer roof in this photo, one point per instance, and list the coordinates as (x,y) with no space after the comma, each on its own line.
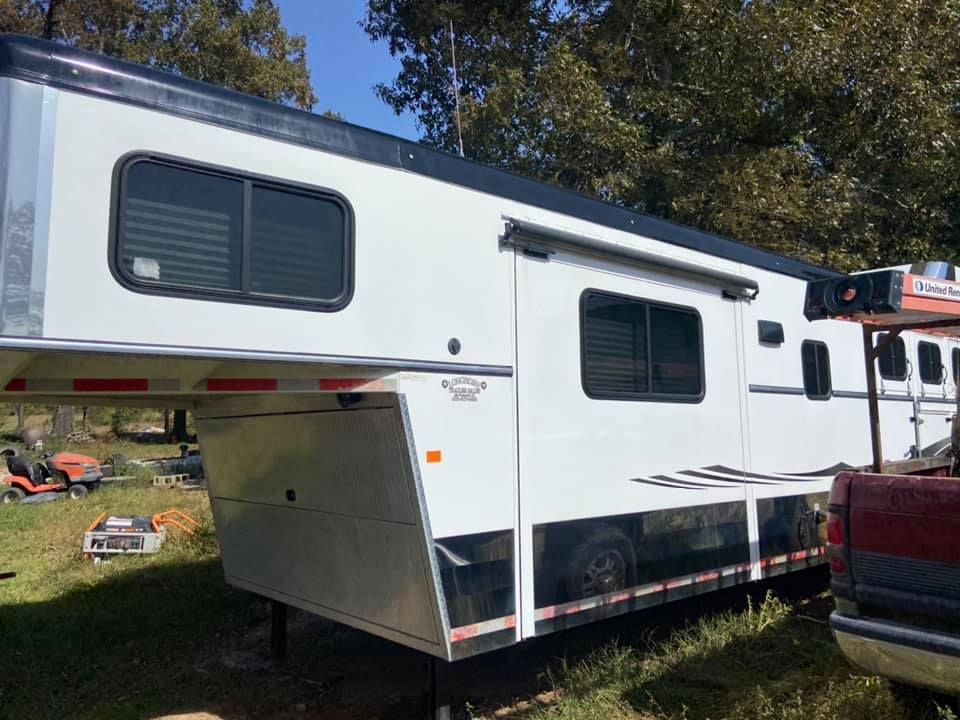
(56,65)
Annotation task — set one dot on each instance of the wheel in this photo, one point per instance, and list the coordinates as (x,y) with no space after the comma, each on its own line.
(604,562)
(12,495)
(9,452)
(78,492)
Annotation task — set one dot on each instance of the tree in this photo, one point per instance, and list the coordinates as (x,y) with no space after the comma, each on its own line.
(179,432)
(61,420)
(240,44)
(822,130)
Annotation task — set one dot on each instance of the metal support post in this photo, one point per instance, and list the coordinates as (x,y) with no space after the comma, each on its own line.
(438,696)
(869,360)
(278,631)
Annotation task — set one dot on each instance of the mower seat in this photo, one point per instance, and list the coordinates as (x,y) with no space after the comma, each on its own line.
(36,473)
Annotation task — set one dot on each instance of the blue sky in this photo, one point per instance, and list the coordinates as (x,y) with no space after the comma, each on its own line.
(345,64)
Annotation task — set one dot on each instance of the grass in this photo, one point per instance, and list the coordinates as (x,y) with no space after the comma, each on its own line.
(772,662)
(124,639)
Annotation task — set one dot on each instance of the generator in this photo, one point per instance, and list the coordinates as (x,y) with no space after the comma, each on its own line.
(132,534)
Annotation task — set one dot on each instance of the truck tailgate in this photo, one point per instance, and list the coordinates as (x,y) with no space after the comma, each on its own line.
(904,533)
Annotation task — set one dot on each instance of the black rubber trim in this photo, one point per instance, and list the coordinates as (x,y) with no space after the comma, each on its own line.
(776,389)
(911,602)
(896,634)
(59,66)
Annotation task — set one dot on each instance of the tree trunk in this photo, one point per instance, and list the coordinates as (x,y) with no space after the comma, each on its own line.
(179,433)
(166,423)
(62,420)
(50,20)
(20,413)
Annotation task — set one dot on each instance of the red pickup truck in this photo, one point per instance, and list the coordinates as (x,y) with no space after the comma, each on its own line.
(894,552)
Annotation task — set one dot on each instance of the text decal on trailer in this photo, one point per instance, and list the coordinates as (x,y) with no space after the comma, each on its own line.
(937,289)
(464,389)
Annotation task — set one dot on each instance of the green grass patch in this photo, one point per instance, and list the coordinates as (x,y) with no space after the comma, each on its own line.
(127,639)
(771,662)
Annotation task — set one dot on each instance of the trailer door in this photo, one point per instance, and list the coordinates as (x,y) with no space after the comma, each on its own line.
(630,433)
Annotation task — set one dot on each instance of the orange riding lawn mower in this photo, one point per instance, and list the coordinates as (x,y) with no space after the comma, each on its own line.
(70,473)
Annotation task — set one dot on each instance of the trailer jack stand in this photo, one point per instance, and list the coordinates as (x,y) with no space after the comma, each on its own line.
(278,631)
(438,695)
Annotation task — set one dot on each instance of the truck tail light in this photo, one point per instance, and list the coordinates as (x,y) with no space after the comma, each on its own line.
(836,542)
(837,525)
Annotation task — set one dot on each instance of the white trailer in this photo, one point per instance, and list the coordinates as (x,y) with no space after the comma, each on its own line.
(466,408)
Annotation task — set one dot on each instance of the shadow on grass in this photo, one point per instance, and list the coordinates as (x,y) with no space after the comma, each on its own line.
(770,662)
(152,641)
(129,645)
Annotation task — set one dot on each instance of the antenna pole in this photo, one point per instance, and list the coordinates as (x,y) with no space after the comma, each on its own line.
(456,88)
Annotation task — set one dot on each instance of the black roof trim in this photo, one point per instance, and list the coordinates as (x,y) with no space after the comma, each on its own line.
(60,66)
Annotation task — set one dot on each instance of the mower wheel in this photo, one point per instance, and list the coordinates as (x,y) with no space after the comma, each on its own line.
(12,495)
(78,492)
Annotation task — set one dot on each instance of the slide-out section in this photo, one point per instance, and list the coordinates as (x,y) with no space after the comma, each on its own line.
(318,504)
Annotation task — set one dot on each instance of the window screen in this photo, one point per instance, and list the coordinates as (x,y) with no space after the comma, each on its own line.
(892,360)
(207,233)
(928,360)
(815,359)
(639,350)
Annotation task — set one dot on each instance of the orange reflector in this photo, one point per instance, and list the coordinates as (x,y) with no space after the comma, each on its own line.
(434,456)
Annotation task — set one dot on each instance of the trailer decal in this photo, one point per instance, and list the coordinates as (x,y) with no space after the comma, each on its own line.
(722,476)
(464,389)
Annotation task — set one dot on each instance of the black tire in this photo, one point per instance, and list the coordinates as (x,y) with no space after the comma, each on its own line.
(78,492)
(11,496)
(9,452)
(604,562)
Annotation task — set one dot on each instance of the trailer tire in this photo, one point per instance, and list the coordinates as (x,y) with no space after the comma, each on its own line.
(603,562)
(11,496)
(78,492)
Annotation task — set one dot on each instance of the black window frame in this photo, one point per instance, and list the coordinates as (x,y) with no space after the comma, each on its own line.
(806,391)
(955,362)
(921,366)
(642,396)
(249,180)
(896,342)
